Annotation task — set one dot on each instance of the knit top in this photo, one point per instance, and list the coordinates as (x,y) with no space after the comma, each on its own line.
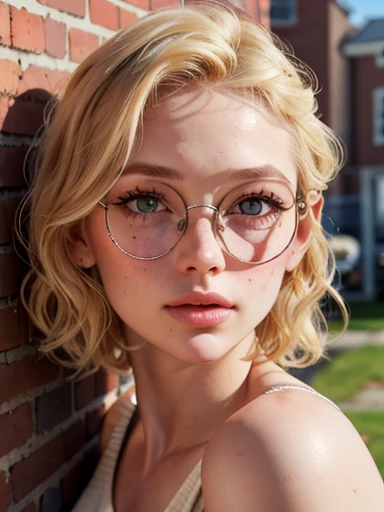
(98,497)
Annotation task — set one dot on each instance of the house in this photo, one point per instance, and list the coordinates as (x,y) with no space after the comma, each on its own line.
(349,65)
(365,51)
(316,29)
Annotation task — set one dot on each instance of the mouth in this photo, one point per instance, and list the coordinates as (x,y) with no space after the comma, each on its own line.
(210,299)
(201,310)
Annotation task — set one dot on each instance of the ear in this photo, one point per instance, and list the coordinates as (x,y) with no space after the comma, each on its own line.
(302,240)
(79,246)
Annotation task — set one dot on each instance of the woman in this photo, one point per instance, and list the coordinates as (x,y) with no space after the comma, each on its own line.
(175,230)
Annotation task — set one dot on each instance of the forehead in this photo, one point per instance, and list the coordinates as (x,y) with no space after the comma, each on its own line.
(203,132)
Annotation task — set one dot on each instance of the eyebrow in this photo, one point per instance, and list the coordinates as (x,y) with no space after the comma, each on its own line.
(159,171)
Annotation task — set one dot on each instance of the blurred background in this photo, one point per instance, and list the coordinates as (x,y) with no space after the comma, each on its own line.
(343,42)
(49,442)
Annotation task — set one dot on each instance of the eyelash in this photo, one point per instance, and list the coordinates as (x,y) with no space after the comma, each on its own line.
(133,195)
(271,200)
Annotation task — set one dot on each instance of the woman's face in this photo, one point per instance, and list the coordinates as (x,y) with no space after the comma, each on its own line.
(205,138)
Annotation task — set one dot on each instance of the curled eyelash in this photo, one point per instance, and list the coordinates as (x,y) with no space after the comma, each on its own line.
(132,195)
(270,199)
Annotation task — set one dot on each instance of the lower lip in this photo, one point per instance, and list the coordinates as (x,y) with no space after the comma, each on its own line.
(199,316)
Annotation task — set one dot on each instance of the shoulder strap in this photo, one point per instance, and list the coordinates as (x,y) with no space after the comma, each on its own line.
(282,387)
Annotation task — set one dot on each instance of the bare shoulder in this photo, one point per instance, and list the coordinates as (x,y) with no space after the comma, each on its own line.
(290,451)
(112,417)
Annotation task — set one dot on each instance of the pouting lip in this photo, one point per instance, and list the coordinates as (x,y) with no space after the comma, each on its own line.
(202,299)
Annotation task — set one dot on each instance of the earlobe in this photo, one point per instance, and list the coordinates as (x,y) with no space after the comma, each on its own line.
(302,240)
(80,248)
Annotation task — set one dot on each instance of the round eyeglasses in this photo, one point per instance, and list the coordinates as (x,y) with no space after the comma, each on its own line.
(254,223)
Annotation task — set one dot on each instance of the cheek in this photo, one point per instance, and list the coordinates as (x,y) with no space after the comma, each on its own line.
(124,277)
(264,282)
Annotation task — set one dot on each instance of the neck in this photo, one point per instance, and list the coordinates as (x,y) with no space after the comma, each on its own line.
(181,404)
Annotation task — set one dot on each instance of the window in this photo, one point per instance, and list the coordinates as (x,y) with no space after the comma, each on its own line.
(380,59)
(378,116)
(283,12)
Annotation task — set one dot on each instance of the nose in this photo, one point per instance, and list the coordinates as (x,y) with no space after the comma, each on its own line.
(199,251)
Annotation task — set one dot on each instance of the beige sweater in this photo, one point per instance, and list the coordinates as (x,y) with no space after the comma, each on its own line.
(97,497)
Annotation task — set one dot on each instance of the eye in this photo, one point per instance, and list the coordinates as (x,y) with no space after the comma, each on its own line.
(145,204)
(142,202)
(252,206)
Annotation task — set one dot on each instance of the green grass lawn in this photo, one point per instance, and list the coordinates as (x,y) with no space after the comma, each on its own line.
(364,316)
(343,378)
(370,425)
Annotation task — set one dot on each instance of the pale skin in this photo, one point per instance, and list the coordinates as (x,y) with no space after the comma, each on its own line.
(198,397)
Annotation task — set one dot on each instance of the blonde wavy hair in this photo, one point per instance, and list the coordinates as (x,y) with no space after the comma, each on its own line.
(95,128)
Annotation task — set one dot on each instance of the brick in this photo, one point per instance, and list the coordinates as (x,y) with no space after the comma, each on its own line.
(5,499)
(76,7)
(53,408)
(11,167)
(74,439)
(127,18)
(30,472)
(81,44)
(94,421)
(55,34)
(10,73)
(264,5)
(74,483)
(84,392)
(5,24)
(23,118)
(252,7)
(24,375)
(158,4)
(105,382)
(8,209)
(104,13)
(35,77)
(27,30)
(14,327)
(91,459)
(143,4)
(4,106)
(16,428)
(12,271)
(52,500)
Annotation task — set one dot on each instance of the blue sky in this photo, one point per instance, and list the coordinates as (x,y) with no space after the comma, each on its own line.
(362,9)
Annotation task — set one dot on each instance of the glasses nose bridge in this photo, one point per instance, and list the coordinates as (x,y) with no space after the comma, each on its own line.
(215,215)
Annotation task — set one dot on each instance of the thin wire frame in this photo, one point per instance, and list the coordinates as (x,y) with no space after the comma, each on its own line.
(299,204)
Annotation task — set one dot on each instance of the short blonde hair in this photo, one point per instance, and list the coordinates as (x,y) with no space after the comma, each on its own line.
(92,134)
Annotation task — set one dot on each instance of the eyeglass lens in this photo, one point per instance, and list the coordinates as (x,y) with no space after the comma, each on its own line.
(255,222)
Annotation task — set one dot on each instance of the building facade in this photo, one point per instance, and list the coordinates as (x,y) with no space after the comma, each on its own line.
(349,65)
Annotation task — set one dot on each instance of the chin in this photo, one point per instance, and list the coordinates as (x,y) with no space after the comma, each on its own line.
(204,348)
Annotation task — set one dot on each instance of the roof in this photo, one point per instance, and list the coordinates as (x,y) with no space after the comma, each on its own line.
(369,41)
(344,5)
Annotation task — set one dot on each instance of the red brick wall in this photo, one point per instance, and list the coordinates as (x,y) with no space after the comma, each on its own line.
(367,76)
(309,38)
(48,427)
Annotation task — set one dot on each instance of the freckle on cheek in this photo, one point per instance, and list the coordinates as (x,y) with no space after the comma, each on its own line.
(250,280)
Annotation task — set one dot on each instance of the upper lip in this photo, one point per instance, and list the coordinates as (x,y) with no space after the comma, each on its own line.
(202,299)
